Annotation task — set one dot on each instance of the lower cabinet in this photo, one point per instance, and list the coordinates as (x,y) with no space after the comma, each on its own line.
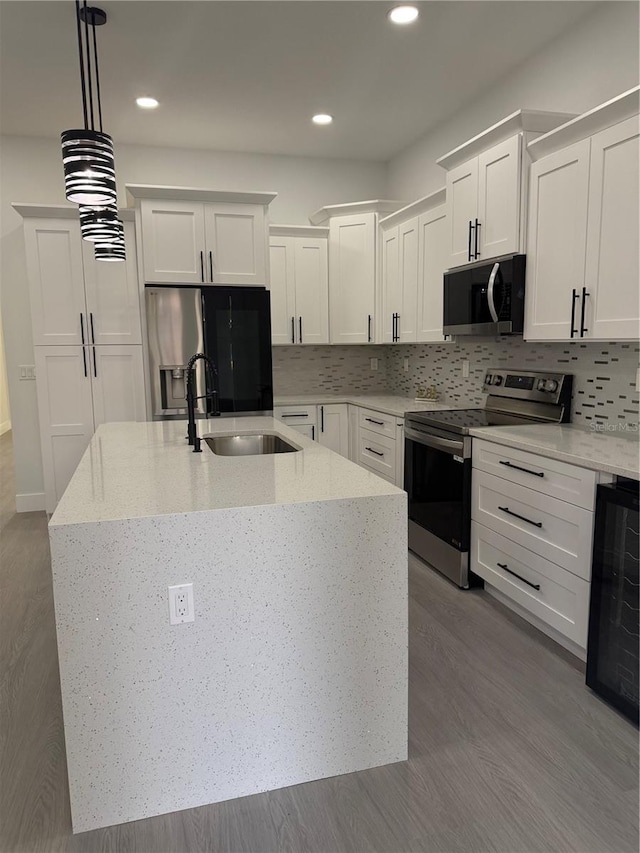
(333,427)
(532,536)
(78,389)
(304,419)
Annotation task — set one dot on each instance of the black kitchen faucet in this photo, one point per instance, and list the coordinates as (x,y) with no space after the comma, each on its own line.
(209,394)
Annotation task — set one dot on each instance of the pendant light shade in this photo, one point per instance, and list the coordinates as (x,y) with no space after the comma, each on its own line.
(112,249)
(99,224)
(89,167)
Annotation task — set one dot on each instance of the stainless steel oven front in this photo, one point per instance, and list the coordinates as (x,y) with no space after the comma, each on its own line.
(438,482)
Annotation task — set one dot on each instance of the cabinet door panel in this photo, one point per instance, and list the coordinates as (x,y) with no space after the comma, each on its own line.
(406,323)
(462,207)
(282,288)
(312,290)
(235,244)
(352,269)
(390,284)
(499,198)
(65,412)
(56,280)
(433,260)
(173,242)
(117,379)
(113,301)
(557,233)
(333,427)
(612,272)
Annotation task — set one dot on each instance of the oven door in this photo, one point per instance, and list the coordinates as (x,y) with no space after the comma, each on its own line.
(438,481)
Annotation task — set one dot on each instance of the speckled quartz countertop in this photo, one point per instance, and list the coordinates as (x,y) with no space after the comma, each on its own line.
(388,403)
(135,470)
(611,452)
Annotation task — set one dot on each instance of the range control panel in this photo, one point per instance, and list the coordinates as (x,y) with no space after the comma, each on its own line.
(528,385)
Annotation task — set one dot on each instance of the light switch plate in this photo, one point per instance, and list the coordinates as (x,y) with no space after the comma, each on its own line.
(27,372)
(374,364)
(465,368)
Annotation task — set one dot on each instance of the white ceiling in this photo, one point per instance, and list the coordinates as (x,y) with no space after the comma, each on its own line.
(247,76)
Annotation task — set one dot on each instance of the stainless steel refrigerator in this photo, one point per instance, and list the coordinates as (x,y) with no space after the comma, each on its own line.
(232,325)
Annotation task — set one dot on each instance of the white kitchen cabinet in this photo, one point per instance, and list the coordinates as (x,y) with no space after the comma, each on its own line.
(413,261)
(78,389)
(486,185)
(56,280)
(353,267)
(303,418)
(583,245)
(192,236)
(299,285)
(333,427)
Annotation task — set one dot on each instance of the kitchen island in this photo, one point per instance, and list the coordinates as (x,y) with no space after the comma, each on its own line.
(295,666)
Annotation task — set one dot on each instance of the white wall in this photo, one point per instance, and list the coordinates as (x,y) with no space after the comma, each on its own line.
(5,415)
(31,171)
(589,64)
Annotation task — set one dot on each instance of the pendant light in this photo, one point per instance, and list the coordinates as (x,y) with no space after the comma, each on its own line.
(99,224)
(112,248)
(87,153)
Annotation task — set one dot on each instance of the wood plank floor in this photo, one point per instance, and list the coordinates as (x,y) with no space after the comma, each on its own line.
(509,751)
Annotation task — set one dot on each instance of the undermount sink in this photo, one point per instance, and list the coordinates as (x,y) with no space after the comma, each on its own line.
(257,444)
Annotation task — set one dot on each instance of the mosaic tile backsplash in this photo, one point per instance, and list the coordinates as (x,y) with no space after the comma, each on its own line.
(603,386)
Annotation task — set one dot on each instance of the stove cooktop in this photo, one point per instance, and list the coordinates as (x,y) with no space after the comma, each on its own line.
(460,421)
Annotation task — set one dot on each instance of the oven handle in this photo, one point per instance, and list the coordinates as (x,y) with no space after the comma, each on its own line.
(448,445)
(490,297)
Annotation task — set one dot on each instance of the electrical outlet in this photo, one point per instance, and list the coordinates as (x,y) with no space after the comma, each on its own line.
(27,372)
(465,368)
(638,379)
(406,364)
(181,604)
(374,363)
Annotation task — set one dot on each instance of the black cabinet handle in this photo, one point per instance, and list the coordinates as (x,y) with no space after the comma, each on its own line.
(202,266)
(313,433)
(469,249)
(95,363)
(300,328)
(397,327)
(583,328)
(476,254)
(369,328)
(393,328)
(293,330)
(84,360)
(574,296)
(93,337)
(518,468)
(301,415)
(321,418)
(371,450)
(211,266)
(516,575)
(82,328)
(521,517)
(371,421)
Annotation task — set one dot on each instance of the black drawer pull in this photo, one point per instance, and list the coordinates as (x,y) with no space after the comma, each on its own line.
(371,450)
(371,421)
(521,517)
(518,468)
(301,415)
(516,575)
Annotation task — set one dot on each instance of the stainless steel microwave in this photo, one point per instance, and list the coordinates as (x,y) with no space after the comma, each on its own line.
(485,298)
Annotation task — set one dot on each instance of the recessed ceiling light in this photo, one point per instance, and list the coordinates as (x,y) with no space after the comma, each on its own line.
(403,14)
(147,103)
(322,118)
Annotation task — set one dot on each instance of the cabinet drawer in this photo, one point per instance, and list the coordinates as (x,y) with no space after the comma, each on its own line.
(377,422)
(548,476)
(561,599)
(296,415)
(556,530)
(377,452)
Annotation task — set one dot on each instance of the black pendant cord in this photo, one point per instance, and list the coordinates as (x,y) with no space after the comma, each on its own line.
(86,35)
(95,65)
(81,58)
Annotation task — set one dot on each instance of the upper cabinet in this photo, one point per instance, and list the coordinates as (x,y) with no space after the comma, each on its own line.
(485,186)
(192,236)
(583,247)
(299,284)
(353,268)
(74,298)
(413,260)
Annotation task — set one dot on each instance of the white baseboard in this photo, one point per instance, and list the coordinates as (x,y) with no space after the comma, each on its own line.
(33,502)
(5,427)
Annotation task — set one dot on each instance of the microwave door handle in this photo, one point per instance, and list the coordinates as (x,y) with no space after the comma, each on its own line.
(490,299)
